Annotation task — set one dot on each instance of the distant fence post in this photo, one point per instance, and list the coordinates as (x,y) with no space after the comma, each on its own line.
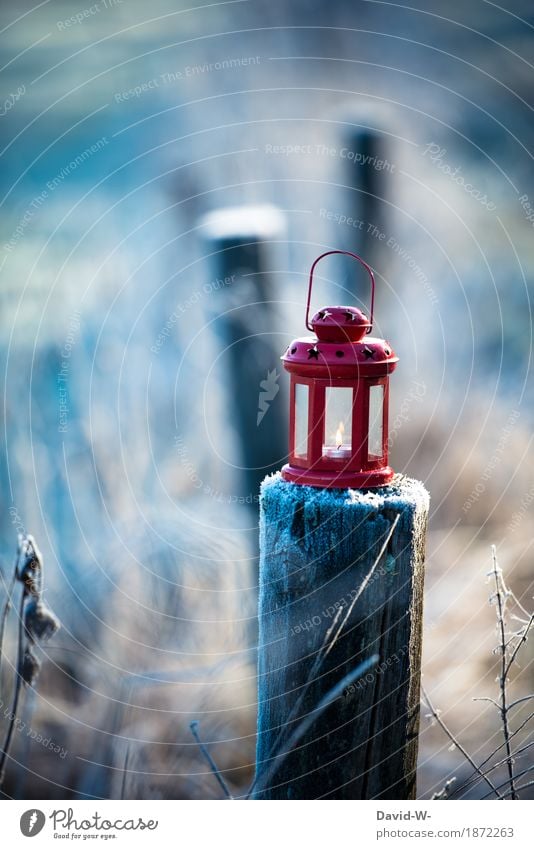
(341,585)
(368,167)
(240,242)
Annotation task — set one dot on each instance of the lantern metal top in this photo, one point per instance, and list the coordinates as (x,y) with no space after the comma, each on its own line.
(371,357)
(341,344)
(346,310)
(340,324)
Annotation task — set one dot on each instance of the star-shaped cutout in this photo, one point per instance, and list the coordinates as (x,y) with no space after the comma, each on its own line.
(350,316)
(368,352)
(313,353)
(324,314)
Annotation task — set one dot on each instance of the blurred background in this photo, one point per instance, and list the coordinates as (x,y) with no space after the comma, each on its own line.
(169,174)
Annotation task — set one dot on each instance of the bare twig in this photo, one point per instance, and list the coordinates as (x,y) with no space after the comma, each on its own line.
(487,699)
(445,791)
(492,754)
(509,647)
(125,770)
(17,691)
(36,624)
(519,701)
(474,778)
(521,787)
(453,739)
(213,766)
(507,782)
(7,608)
(501,606)
(523,637)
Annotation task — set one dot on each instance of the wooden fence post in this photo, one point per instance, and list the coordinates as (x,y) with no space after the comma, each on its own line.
(368,168)
(341,584)
(240,241)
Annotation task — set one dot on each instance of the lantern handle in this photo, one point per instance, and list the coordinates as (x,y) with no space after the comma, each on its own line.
(360,260)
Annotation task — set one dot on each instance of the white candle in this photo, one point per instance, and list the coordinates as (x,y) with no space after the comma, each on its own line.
(337,452)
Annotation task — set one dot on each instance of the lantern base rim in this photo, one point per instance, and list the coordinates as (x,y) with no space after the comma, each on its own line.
(370,479)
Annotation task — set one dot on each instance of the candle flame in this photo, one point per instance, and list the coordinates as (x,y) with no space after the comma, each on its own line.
(339,434)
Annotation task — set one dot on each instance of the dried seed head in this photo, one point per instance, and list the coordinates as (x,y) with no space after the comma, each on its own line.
(29,667)
(40,622)
(30,565)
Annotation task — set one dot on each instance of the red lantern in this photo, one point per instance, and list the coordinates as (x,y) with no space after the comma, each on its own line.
(338,424)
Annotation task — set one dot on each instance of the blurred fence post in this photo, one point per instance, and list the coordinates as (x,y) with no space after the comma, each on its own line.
(367,167)
(241,244)
(340,614)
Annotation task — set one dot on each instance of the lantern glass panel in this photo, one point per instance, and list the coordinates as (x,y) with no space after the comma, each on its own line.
(301,419)
(337,442)
(376,422)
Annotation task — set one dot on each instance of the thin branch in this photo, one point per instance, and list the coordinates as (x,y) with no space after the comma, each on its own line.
(504,783)
(125,770)
(499,585)
(16,695)
(498,749)
(519,605)
(334,693)
(487,699)
(523,639)
(7,608)
(518,701)
(213,766)
(445,791)
(459,746)
(521,787)
(474,778)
